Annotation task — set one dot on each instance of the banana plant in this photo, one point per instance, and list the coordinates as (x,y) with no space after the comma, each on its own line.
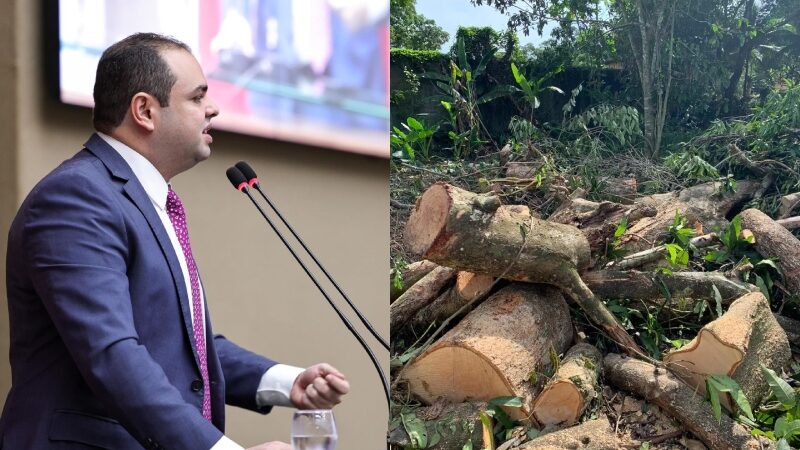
(530,90)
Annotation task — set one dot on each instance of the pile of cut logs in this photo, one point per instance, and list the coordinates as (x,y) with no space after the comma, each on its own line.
(500,279)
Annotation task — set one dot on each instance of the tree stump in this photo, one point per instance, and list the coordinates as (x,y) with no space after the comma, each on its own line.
(736,344)
(573,387)
(494,350)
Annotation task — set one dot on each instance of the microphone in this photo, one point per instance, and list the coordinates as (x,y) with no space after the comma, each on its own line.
(239,181)
(252,181)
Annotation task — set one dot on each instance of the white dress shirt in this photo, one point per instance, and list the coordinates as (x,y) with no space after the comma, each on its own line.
(277,381)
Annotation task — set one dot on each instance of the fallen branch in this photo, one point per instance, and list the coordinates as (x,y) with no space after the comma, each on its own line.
(656,253)
(775,241)
(419,295)
(651,287)
(681,402)
(409,275)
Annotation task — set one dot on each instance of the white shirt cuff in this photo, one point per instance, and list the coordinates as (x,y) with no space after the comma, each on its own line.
(226,444)
(276,385)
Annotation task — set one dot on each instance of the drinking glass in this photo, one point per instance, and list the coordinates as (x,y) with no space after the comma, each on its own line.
(313,430)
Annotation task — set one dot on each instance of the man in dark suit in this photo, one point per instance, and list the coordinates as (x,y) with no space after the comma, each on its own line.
(111,346)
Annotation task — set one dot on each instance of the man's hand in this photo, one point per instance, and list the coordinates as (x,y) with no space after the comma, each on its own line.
(274,445)
(320,386)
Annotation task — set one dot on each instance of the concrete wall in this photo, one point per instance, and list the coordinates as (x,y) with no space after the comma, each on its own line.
(257,294)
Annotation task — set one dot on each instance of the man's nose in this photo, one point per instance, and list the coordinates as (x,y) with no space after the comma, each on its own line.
(212,110)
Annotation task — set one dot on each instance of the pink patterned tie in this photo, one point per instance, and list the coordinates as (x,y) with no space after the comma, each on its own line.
(178,218)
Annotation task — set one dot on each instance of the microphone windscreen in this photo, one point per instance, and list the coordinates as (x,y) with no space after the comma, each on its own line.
(236,177)
(248,171)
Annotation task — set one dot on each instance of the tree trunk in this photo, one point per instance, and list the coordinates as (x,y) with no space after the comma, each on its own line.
(408,277)
(592,435)
(598,221)
(701,205)
(467,231)
(472,232)
(573,387)
(775,241)
(736,345)
(680,285)
(680,401)
(418,296)
(468,287)
(495,348)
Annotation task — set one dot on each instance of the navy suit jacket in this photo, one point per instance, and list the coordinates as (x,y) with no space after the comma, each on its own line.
(102,353)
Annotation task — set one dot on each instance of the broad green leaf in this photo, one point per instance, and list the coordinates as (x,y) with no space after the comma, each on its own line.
(510,401)
(724,383)
(780,388)
(416,430)
(621,228)
(783,444)
(467,446)
(517,76)
(414,123)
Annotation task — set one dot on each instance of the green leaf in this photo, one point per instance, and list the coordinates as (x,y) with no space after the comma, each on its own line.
(780,389)
(555,89)
(486,421)
(517,76)
(467,446)
(416,430)
(510,401)
(717,299)
(621,228)
(783,445)
(717,384)
(414,123)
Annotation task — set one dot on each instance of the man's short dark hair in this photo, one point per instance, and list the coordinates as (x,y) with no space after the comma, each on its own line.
(132,65)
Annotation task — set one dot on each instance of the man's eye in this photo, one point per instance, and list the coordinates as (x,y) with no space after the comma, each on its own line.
(198,99)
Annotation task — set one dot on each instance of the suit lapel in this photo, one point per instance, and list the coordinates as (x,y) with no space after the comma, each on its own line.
(136,193)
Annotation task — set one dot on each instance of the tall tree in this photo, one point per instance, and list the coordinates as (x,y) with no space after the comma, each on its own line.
(647,25)
(409,29)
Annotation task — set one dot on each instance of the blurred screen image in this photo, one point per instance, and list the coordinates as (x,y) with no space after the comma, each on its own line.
(309,71)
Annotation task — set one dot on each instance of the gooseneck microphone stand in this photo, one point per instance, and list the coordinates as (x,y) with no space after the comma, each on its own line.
(252,180)
(240,182)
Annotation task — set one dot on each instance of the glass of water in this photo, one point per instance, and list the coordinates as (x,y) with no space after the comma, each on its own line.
(313,430)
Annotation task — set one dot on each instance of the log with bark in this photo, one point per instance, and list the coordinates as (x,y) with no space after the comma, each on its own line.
(493,351)
(792,329)
(409,275)
(419,295)
(591,435)
(598,220)
(468,231)
(702,204)
(571,390)
(775,241)
(658,386)
(468,287)
(456,424)
(737,344)
(650,286)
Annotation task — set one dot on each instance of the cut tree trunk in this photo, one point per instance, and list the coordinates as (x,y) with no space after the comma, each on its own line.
(571,390)
(598,221)
(681,402)
(493,351)
(468,287)
(650,286)
(701,204)
(473,232)
(408,277)
(467,231)
(592,435)
(622,190)
(419,295)
(788,204)
(736,344)
(775,241)
(456,424)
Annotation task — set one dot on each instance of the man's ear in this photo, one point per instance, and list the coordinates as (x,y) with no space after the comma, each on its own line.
(143,109)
